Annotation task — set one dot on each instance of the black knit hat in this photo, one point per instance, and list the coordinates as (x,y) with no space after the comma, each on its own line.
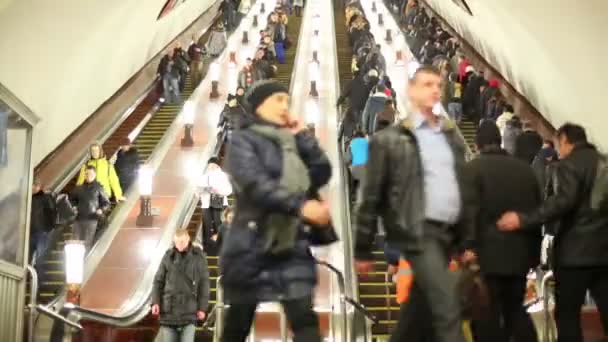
(261,90)
(214,160)
(488,134)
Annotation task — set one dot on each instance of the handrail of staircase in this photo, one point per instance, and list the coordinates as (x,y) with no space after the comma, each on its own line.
(341,284)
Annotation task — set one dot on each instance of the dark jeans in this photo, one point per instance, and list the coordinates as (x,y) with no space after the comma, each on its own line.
(303,321)
(84,230)
(38,245)
(507,317)
(438,284)
(571,287)
(212,219)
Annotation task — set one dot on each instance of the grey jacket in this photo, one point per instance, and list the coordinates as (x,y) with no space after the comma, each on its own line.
(393,189)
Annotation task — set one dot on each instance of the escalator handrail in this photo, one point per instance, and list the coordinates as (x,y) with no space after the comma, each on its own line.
(141,309)
(341,284)
(69,172)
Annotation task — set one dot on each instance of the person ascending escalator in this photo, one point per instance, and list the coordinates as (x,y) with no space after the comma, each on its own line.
(274,166)
(180,294)
(105,171)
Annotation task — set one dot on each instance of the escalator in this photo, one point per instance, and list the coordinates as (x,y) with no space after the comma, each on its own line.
(52,276)
(468,128)
(284,71)
(376,291)
(96,317)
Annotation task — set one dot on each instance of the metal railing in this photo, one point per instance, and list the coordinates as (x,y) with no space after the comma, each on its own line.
(34,307)
(344,300)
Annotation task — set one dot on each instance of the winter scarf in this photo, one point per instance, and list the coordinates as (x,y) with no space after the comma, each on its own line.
(281,230)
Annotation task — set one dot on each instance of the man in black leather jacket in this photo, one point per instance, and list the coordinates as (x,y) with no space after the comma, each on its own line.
(414,182)
(250,272)
(581,240)
(91,202)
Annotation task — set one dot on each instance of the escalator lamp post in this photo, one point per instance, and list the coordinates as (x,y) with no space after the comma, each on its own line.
(399,60)
(412,66)
(262,8)
(255,21)
(214,73)
(75,252)
(316,24)
(313,74)
(374,8)
(245,39)
(145,217)
(380,19)
(232,63)
(315,48)
(389,36)
(189,113)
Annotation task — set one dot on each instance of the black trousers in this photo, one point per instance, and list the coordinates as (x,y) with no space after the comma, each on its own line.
(571,287)
(212,219)
(507,318)
(302,319)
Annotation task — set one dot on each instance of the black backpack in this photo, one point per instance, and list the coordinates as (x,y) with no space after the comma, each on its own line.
(599,193)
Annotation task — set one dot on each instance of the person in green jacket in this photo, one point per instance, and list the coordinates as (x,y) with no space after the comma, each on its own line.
(106,174)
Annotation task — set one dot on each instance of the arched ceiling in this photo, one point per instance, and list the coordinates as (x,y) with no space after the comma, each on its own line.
(64,58)
(552,51)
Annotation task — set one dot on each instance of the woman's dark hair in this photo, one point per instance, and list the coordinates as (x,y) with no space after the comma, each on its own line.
(574,133)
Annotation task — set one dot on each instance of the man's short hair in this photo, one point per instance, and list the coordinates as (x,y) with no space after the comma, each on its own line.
(574,133)
(90,168)
(182,232)
(425,69)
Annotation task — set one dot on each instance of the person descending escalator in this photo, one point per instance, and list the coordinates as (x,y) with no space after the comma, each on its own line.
(195,52)
(92,203)
(275,167)
(228,9)
(180,294)
(227,217)
(215,189)
(127,164)
(182,61)
(298,5)
(105,173)
(218,40)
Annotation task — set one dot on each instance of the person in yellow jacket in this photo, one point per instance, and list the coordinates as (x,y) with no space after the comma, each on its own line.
(106,174)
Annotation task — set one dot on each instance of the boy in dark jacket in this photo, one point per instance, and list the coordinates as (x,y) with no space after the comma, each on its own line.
(181,289)
(91,202)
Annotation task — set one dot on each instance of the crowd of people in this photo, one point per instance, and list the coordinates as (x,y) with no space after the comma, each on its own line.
(410,180)
(489,214)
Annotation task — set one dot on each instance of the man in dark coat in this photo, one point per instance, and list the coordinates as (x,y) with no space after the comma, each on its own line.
(497,183)
(252,265)
(181,289)
(527,144)
(42,220)
(581,239)
(91,202)
(127,164)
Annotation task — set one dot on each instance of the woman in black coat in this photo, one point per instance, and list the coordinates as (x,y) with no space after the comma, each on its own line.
(253,268)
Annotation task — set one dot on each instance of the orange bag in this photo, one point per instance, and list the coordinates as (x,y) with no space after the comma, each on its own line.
(405,278)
